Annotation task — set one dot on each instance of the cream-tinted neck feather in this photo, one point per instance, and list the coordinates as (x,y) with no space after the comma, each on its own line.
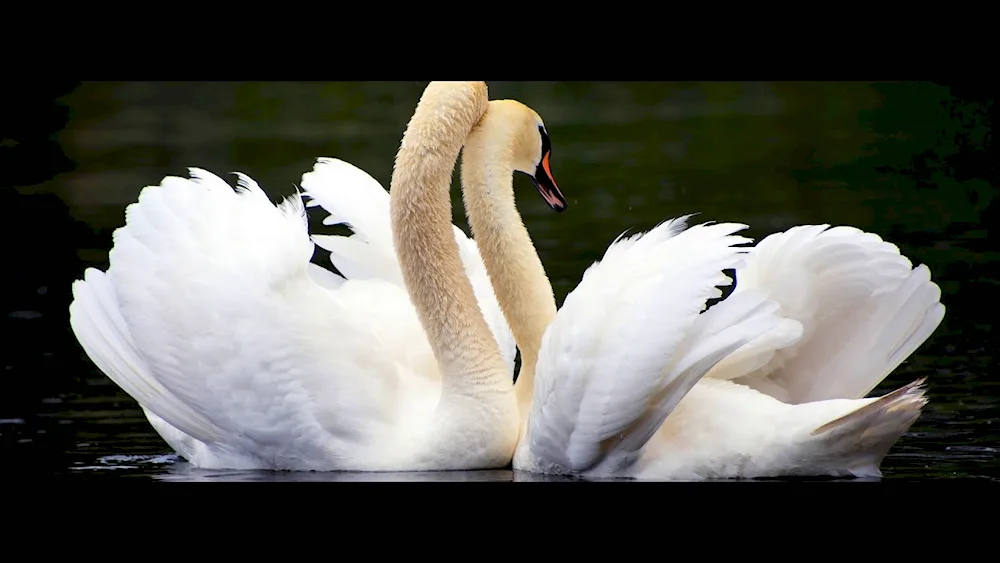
(507,139)
(420,209)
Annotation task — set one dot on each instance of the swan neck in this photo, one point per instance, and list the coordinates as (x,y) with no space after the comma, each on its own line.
(424,240)
(522,288)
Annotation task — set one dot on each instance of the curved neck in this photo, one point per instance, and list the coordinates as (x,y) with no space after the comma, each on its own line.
(515,270)
(420,210)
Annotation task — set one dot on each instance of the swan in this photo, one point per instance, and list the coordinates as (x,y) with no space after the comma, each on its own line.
(243,355)
(633,378)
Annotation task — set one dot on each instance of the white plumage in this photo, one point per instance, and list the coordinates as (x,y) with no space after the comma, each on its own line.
(818,318)
(354,199)
(243,354)
(628,343)
(635,378)
(854,309)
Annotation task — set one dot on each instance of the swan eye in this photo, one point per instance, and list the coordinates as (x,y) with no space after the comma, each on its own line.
(546,143)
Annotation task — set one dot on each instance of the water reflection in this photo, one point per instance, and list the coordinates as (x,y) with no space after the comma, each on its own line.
(171,468)
(909,161)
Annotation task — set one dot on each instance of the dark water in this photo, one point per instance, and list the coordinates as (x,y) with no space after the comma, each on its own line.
(912,162)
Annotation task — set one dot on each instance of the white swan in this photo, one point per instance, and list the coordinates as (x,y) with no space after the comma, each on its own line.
(615,384)
(245,357)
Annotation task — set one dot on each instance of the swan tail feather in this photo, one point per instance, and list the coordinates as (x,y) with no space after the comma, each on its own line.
(860,440)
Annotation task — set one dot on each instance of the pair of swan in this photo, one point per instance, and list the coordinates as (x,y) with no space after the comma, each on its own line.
(243,355)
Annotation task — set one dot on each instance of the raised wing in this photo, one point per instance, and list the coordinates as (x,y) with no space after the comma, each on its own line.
(97,322)
(854,309)
(629,342)
(209,318)
(355,199)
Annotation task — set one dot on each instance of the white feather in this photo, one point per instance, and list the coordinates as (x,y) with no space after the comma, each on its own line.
(817,319)
(605,380)
(355,199)
(241,353)
(854,309)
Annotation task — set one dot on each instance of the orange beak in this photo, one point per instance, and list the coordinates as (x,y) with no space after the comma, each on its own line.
(546,185)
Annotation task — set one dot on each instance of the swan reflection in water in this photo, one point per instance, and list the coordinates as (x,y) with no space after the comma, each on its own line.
(173,468)
(183,471)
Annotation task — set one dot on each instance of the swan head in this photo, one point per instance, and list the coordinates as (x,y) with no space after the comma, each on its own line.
(531,147)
